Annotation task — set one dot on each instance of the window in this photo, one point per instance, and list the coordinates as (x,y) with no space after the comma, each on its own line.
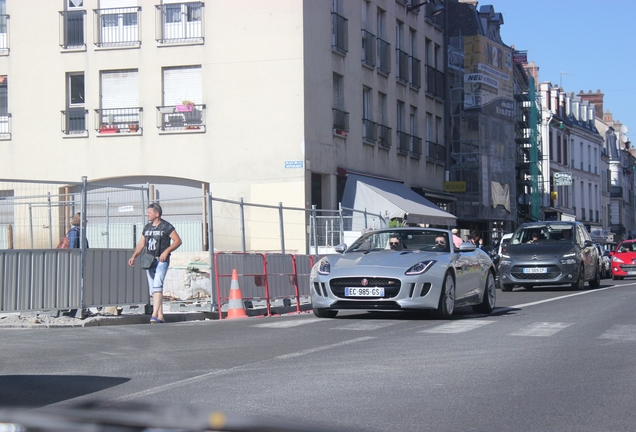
(340,117)
(368,38)
(5,117)
(75,115)
(384,48)
(181,23)
(183,106)
(73,24)
(118,23)
(120,111)
(369,130)
(4,47)
(384,132)
(339,41)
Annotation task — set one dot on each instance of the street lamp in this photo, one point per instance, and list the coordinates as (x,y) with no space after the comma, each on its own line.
(437,9)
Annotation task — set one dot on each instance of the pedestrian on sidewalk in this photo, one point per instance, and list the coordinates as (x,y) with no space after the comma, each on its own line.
(160,239)
(74,234)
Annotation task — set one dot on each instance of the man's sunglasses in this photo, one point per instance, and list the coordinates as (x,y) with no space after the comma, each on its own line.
(440,242)
(394,243)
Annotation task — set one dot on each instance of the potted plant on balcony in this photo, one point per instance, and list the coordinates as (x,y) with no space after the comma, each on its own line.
(109,127)
(133,127)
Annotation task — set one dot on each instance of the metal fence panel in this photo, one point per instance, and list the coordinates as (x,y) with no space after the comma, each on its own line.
(281,279)
(251,274)
(110,281)
(304,264)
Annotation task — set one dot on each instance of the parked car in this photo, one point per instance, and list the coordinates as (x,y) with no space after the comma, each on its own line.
(403,269)
(606,262)
(550,253)
(624,260)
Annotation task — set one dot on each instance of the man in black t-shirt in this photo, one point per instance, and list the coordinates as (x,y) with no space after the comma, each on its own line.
(158,238)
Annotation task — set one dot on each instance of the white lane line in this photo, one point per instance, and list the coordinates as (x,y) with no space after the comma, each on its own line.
(541,329)
(198,378)
(288,323)
(519,306)
(457,326)
(326,347)
(620,332)
(365,325)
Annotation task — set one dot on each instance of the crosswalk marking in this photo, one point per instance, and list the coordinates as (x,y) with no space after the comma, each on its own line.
(457,326)
(366,325)
(620,332)
(541,329)
(287,324)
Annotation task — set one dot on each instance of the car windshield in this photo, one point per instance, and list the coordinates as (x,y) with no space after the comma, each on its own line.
(627,247)
(544,233)
(404,239)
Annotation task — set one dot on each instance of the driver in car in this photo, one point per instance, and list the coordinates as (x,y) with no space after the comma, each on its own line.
(395,244)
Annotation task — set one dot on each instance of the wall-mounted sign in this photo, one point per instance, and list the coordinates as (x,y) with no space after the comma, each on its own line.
(294,164)
(126,209)
(455,186)
(520,57)
(563,179)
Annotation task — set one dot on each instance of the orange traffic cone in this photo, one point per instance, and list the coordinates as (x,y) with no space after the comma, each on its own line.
(235,308)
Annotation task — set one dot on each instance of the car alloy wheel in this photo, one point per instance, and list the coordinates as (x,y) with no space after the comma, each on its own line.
(488,300)
(446,305)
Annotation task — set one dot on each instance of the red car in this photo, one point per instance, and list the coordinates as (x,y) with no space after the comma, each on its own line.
(624,260)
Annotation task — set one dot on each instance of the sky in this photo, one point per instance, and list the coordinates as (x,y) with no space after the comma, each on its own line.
(579,45)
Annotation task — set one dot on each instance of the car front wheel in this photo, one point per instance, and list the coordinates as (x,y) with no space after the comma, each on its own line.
(446,305)
(580,281)
(325,313)
(488,303)
(596,282)
(507,287)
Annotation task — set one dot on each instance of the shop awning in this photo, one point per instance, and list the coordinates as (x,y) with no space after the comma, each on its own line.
(392,199)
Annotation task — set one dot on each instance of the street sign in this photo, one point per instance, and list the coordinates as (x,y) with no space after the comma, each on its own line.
(563,179)
(454,186)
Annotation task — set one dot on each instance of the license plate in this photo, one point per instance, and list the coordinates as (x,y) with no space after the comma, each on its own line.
(535,270)
(364,292)
(631,273)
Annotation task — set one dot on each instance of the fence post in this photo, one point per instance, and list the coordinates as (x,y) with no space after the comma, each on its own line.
(242,208)
(108,223)
(282,227)
(82,239)
(340,222)
(50,221)
(213,296)
(31,223)
(314,231)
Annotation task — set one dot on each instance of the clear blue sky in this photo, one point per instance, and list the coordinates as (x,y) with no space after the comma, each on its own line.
(591,41)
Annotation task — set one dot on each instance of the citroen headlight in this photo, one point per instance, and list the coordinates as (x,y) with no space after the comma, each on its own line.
(420,267)
(569,255)
(617,259)
(505,262)
(567,261)
(324,267)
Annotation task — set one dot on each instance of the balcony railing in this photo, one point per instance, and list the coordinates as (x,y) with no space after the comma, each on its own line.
(583,214)
(591,215)
(178,118)
(402,61)
(5,126)
(616,192)
(4,34)
(74,121)
(180,23)
(434,81)
(404,142)
(117,27)
(435,152)
(72,29)
(368,48)
(416,73)
(384,136)
(384,57)
(118,120)
(369,130)
(339,38)
(416,146)
(340,119)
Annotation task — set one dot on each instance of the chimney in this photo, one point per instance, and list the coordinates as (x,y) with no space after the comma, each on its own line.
(532,70)
(607,117)
(593,98)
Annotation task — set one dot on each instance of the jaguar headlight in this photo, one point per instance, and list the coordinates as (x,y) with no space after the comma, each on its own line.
(420,268)
(324,266)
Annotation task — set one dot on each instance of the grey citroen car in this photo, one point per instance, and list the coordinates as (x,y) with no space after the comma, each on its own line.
(549,253)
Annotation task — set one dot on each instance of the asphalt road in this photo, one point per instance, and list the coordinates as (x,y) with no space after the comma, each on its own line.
(549,359)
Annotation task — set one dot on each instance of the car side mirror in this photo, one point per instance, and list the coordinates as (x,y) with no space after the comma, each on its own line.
(340,248)
(467,247)
(588,243)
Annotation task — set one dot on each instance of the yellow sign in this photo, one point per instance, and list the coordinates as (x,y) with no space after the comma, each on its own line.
(455,186)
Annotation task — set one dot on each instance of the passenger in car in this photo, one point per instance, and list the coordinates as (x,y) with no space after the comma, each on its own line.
(535,237)
(567,235)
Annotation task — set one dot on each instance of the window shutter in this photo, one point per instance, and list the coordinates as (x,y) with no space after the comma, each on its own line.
(180,84)
(120,89)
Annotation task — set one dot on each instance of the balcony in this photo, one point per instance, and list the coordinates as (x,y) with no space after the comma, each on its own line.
(434,82)
(181,118)
(74,121)
(404,142)
(402,66)
(180,23)
(435,152)
(339,39)
(416,146)
(616,192)
(5,126)
(4,35)
(416,73)
(117,27)
(384,136)
(384,57)
(119,120)
(340,119)
(368,48)
(369,131)
(73,30)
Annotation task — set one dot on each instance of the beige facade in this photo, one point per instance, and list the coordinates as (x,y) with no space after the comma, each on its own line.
(235,96)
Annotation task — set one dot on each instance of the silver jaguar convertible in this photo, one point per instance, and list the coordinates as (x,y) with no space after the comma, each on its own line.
(403,269)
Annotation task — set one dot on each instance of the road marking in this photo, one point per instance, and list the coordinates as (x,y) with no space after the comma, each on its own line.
(519,306)
(457,326)
(620,332)
(325,347)
(365,325)
(541,329)
(197,379)
(288,323)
